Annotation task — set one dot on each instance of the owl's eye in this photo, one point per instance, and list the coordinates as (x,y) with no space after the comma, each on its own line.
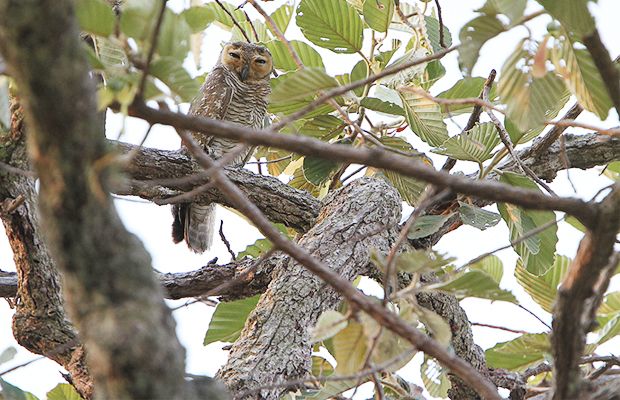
(261,61)
(234,55)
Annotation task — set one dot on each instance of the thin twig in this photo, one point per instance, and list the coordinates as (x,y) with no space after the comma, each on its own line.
(475,115)
(226,242)
(154,40)
(441,34)
(577,124)
(534,315)
(245,35)
(503,134)
(17,171)
(503,328)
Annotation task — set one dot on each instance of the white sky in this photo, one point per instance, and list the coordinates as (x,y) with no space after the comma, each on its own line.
(152,223)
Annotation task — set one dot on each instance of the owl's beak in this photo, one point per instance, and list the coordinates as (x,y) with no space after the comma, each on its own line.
(244,72)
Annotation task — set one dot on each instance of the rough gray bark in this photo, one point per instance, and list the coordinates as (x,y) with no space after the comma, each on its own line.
(280,203)
(40,323)
(274,346)
(111,291)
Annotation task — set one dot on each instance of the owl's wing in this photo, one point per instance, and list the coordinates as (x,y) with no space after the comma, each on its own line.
(216,96)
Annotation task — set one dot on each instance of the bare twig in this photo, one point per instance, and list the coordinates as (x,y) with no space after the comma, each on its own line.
(503,328)
(577,124)
(475,115)
(226,242)
(440,18)
(245,35)
(154,40)
(503,134)
(17,171)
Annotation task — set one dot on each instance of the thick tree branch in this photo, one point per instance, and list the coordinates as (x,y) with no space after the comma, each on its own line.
(374,157)
(357,299)
(281,203)
(568,337)
(40,323)
(110,288)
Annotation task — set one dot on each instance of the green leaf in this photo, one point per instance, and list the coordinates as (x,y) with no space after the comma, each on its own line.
(198,18)
(229,319)
(95,16)
(318,171)
(582,77)
(299,181)
(391,102)
(282,17)
(517,355)
(422,261)
(255,250)
(321,367)
(378,14)
(112,56)
(283,61)
(476,145)
(433,72)
(221,17)
(410,75)
(379,105)
(527,98)
(259,27)
(328,325)
(425,118)
(477,217)
(432,29)
(473,36)
(7,354)
(138,18)
(63,391)
(610,305)
(171,72)
(543,289)
(409,188)
(301,84)
(513,9)
(334,388)
(434,377)
(10,392)
(331,24)
(324,127)
(475,283)
(426,225)
(492,265)
(465,88)
(537,252)
(173,36)
(519,137)
(610,330)
(576,18)
(350,348)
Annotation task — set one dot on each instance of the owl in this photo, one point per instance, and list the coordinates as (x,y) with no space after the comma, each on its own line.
(236,91)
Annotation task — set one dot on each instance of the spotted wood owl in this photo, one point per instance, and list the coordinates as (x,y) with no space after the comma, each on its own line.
(235,90)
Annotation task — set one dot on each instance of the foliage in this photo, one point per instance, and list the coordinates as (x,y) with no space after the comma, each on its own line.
(535,82)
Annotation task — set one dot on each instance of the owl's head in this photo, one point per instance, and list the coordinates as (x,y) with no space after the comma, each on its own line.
(249,61)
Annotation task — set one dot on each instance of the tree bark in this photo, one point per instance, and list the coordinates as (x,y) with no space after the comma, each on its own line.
(274,346)
(40,323)
(111,291)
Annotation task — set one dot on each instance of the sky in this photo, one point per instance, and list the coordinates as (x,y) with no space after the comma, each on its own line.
(152,223)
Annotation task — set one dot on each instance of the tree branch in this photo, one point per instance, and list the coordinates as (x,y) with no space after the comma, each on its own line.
(568,337)
(374,157)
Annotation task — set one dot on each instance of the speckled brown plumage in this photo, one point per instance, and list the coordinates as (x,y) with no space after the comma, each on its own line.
(235,90)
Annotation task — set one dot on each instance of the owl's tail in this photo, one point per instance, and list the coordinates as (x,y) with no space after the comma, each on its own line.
(194,224)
